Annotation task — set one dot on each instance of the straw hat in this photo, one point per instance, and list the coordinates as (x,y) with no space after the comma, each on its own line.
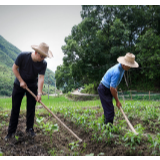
(128,60)
(43,49)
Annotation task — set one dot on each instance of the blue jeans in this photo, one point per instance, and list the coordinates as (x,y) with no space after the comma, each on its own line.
(107,104)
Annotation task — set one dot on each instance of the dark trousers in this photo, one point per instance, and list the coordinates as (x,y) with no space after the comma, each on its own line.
(107,104)
(17,96)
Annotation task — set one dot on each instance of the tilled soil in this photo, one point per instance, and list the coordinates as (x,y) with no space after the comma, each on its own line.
(59,143)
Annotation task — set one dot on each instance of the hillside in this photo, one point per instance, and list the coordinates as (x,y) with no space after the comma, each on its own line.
(8,54)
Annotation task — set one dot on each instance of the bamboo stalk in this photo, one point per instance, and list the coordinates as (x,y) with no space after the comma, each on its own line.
(80,140)
(130,125)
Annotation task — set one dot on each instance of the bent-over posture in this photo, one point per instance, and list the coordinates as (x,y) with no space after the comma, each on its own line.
(107,89)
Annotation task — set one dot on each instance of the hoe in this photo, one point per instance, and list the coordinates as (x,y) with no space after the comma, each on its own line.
(130,125)
(80,140)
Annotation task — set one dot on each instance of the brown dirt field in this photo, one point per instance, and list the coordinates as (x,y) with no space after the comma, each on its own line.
(59,141)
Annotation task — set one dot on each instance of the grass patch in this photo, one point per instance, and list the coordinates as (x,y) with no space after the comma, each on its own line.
(6,103)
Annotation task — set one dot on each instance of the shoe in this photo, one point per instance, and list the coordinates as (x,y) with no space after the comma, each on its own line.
(30,132)
(9,136)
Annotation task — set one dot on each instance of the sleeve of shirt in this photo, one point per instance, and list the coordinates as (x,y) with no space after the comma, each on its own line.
(18,60)
(42,72)
(114,80)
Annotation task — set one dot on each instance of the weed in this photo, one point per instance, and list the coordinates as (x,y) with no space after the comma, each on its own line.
(52,152)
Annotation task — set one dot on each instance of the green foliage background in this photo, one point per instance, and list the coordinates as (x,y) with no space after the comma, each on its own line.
(8,54)
(105,33)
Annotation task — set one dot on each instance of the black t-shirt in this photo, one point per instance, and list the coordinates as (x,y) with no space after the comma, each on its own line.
(29,69)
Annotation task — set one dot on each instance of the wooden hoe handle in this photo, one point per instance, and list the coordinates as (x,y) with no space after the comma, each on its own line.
(54,115)
(130,125)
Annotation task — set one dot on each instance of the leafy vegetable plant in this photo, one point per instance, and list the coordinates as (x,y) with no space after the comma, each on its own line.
(155,142)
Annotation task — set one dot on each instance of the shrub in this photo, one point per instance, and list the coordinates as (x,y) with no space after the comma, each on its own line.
(90,88)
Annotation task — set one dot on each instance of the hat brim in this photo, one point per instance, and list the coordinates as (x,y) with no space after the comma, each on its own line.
(123,61)
(35,47)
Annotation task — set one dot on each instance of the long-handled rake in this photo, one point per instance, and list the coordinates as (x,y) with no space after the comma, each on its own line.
(80,140)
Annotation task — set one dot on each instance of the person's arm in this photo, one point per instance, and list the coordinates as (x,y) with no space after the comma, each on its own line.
(40,86)
(16,73)
(115,95)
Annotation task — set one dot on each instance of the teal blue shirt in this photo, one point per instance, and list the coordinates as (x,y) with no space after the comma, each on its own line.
(113,76)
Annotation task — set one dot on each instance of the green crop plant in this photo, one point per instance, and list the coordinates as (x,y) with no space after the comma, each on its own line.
(152,126)
(139,128)
(115,129)
(145,119)
(84,147)
(107,133)
(100,154)
(91,154)
(151,112)
(48,127)
(132,140)
(39,120)
(130,117)
(73,145)
(1,154)
(52,152)
(122,124)
(155,143)
(51,128)
(118,114)
(17,137)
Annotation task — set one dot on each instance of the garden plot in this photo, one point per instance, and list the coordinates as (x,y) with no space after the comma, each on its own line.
(86,121)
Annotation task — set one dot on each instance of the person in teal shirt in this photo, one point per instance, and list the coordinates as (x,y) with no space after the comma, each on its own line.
(107,89)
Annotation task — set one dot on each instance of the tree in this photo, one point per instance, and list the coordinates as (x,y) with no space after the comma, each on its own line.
(106,33)
(149,54)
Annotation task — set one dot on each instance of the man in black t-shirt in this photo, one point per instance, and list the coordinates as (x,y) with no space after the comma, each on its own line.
(29,69)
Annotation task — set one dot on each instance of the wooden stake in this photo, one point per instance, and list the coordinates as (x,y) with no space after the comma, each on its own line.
(149,95)
(131,94)
(122,96)
(80,140)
